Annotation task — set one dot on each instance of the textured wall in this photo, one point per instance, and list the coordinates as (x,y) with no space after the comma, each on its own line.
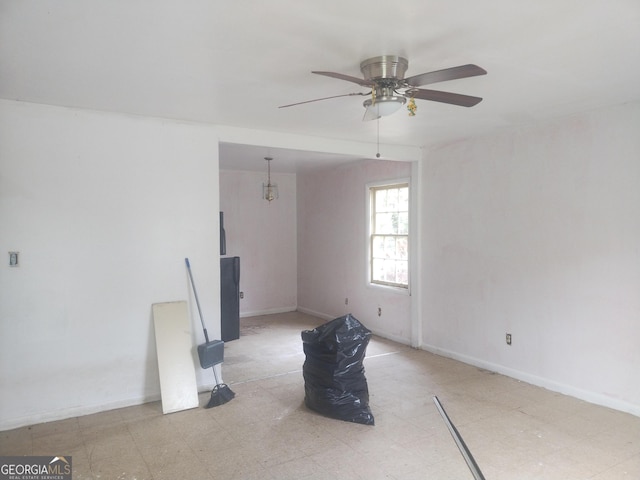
(103,209)
(536,232)
(263,235)
(332,247)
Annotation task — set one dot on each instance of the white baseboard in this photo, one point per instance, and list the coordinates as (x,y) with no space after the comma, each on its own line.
(83,410)
(586,395)
(270,311)
(324,316)
(313,313)
(394,338)
(78,411)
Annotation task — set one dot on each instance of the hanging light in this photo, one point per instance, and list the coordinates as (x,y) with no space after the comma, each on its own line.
(269,190)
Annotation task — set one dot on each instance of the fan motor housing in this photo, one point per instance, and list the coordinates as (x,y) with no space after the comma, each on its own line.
(385,66)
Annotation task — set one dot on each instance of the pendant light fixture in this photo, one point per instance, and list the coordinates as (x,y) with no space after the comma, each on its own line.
(269,190)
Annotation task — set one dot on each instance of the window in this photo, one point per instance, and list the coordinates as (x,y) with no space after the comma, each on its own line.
(389,235)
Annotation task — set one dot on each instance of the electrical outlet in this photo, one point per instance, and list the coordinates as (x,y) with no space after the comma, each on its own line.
(508,339)
(346,301)
(241,294)
(13,259)
(379,311)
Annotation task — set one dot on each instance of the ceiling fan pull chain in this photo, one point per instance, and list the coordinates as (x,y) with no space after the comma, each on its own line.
(378,137)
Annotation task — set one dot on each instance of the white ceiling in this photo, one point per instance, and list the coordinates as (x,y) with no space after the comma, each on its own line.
(234,63)
(252,158)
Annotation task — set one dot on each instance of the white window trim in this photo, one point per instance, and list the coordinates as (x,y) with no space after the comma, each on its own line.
(381,183)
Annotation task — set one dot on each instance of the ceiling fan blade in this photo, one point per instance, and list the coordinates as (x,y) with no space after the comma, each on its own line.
(348,78)
(444,97)
(320,99)
(463,71)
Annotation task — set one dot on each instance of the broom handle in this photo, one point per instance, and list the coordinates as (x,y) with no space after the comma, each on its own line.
(215,374)
(464,450)
(195,294)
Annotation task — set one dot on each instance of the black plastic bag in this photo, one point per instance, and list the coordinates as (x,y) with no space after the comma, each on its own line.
(334,381)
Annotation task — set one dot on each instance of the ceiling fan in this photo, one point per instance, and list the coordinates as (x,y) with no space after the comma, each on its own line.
(390,90)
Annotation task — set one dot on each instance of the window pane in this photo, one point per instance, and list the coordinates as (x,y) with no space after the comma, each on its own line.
(402,272)
(389,247)
(403,223)
(381,200)
(402,248)
(384,223)
(394,222)
(377,270)
(389,271)
(392,200)
(403,199)
(377,247)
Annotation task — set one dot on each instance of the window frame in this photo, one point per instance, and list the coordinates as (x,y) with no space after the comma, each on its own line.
(370,234)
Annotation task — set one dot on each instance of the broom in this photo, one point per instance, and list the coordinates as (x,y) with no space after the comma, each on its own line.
(211,354)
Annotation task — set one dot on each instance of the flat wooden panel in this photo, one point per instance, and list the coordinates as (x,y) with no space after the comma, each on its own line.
(178,386)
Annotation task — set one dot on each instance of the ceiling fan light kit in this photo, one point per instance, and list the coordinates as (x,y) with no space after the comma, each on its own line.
(382,104)
(384,75)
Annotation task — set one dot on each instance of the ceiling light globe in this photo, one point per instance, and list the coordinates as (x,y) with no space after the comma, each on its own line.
(384,105)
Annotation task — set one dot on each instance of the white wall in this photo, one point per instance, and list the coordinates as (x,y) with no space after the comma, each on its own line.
(103,209)
(332,249)
(536,232)
(263,235)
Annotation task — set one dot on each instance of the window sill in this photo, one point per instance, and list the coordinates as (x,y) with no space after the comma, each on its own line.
(390,288)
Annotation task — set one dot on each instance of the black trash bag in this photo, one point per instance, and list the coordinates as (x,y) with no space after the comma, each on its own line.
(334,381)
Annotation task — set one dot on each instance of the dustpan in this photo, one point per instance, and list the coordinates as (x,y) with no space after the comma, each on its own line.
(211,353)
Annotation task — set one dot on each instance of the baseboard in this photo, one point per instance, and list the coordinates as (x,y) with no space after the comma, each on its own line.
(394,338)
(72,412)
(83,410)
(270,311)
(586,395)
(313,313)
(324,316)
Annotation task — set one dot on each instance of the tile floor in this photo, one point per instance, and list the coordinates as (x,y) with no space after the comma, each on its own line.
(514,430)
